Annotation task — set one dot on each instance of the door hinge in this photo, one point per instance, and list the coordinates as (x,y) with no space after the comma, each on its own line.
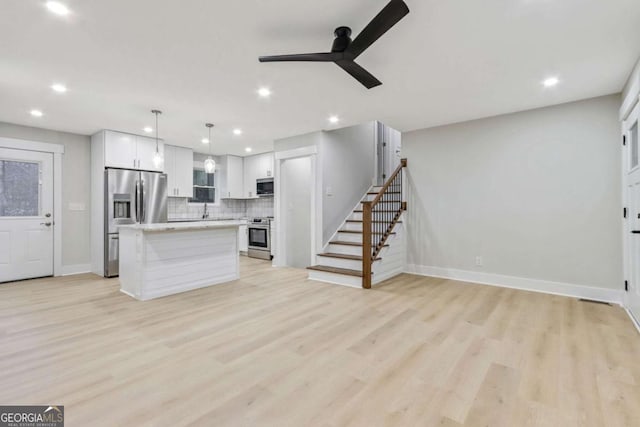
(624,139)
(624,212)
(626,286)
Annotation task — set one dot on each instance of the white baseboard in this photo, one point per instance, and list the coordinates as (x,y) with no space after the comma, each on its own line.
(534,285)
(68,270)
(635,321)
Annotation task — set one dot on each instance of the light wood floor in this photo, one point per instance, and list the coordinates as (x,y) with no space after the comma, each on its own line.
(274,349)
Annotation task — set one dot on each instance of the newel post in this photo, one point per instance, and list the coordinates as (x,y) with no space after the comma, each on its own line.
(366,245)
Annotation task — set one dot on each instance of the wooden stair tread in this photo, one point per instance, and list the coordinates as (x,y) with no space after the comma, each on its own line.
(374,222)
(388,192)
(344,256)
(327,269)
(360,232)
(360,211)
(340,242)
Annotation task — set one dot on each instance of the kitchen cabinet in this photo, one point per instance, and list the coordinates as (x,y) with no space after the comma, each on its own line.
(178,165)
(123,150)
(256,167)
(243,238)
(146,150)
(231,177)
(120,150)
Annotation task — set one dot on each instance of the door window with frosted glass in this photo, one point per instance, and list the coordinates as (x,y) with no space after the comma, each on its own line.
(19,188)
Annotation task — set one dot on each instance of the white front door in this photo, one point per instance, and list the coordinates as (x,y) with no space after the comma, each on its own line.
(26,214)
(632,224)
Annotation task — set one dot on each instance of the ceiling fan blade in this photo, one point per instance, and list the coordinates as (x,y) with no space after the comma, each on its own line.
(306,57)
(359,73)
(387,18)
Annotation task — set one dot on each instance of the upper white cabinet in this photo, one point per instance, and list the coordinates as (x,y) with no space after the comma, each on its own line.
(120,150)
(230,177)
(123,150)
(178,165)
(256,167)
(146,150)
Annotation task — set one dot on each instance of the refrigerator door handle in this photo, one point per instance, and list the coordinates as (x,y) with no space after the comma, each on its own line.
(142,209)
(135,200)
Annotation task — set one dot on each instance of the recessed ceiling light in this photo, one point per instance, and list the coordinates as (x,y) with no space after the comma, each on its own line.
(57,8)
(264,92)
(60,88)
(148,129)
(36,113)
(237,131)
(205,140)
(248,149)
(334,119)
(551,82)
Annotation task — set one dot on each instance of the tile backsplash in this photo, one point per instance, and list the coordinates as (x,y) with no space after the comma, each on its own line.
(180,208)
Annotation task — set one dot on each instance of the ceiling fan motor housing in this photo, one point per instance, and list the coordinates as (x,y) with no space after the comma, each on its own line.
(342,40)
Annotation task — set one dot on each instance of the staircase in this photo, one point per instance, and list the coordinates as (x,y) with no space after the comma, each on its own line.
(370,245)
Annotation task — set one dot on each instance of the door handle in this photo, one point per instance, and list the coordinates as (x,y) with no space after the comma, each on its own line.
(143,212)
(48,224)
(635,231)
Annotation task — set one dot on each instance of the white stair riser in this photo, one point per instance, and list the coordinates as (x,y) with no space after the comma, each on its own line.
(340,263)
(338,279)
(354,226)
(344,249)
(350,237)
(357,216)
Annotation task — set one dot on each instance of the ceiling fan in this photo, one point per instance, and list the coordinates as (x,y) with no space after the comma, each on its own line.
(344,51)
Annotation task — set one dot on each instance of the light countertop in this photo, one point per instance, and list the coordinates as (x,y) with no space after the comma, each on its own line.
(189,225)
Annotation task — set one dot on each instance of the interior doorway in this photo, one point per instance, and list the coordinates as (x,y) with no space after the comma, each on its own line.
(295,175)
(26,214)
(631,168)
(388,151)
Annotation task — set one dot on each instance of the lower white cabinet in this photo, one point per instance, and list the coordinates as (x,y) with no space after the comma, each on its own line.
(243,238)
(178,165)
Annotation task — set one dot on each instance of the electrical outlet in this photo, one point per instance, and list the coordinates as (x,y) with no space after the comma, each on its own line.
(479,261)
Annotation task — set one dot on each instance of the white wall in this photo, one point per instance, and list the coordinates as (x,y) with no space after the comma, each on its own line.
(536,194)
(76,183)
(348,170)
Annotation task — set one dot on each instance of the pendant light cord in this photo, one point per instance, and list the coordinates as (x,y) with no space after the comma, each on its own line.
(157,112)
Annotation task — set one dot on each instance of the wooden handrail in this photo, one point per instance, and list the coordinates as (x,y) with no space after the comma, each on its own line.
(403,164)
(369,250)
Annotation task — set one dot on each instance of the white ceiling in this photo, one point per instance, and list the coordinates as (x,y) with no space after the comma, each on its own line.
(196,60)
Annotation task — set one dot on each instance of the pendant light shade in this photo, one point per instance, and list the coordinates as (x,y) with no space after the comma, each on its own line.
(209,164)
(158,158)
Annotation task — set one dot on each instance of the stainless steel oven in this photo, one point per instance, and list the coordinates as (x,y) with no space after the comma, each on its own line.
(259,238)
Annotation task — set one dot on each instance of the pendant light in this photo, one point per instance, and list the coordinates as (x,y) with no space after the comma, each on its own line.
(209,164)
(157,156)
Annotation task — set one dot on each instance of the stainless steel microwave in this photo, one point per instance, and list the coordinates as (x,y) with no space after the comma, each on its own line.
(264,187)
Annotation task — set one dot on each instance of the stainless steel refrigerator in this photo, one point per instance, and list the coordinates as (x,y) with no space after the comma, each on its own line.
(131,197)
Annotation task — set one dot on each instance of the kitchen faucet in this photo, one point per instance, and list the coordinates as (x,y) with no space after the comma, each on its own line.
(206,213)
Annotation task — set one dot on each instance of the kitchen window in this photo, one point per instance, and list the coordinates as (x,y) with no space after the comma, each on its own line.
(204,188)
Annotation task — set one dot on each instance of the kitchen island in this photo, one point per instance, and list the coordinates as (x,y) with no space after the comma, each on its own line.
(164,259)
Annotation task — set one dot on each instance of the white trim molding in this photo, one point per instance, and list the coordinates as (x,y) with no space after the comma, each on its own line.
(534,285)
(70,270)
(635,321)
(280,252)
(57,150)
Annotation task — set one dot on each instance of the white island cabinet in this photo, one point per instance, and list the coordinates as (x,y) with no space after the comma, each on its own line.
(164,259)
